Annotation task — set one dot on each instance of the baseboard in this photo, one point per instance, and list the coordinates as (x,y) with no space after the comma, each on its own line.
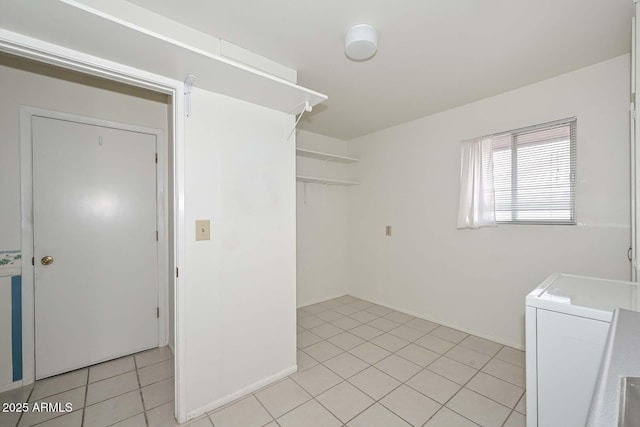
(449,325)
(322,300)
(11,386)
(241,393)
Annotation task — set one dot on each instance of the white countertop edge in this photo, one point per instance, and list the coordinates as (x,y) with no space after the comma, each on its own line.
(618,360)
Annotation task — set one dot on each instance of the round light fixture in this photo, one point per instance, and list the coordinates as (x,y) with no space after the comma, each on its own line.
(361,42)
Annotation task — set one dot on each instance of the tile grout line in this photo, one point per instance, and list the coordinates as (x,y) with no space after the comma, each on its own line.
(418,391)
(334,386)
(414,342)
(463,386)
(59,415)
(343,380)
(507,419)
(88,382)
(342,351)
(507,362)
(264,407)
(521,397)
(128,418)
(117,375)
(86,393)
(124,392)
(444,405)
(461,416)
(365,341)
(375,401)
(379,401)
(290,410)
(144,410)
(372,343)
(229,404)
(405,323)
(28,401)
(352,418)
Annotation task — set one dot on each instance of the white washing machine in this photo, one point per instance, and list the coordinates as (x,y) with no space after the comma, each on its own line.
(567,320)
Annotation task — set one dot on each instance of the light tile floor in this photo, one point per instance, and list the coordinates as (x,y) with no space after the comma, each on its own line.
(132,391)
(363,365)
(359,365)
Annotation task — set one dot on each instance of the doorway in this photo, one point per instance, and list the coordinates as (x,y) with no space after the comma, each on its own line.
(170,160)
(95,220)
(103,106)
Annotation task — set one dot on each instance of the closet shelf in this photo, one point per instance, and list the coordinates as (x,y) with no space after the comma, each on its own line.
(324,156)
(178,58)
(316,180)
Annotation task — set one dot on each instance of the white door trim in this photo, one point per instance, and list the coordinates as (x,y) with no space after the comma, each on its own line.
(26,180)
(41,51)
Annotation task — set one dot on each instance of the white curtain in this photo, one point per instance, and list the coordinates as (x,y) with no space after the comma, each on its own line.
(477,195)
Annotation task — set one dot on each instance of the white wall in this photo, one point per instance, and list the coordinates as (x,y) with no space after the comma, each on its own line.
(49,88)
(240,173)
(477,280)
(322,228)
(25,83)
(240,304)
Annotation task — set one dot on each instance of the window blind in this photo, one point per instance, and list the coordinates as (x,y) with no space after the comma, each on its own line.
(534,172)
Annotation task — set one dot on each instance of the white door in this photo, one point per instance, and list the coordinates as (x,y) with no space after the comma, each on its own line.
(94,214)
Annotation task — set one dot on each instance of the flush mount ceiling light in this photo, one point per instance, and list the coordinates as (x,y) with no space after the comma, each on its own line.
(361,42)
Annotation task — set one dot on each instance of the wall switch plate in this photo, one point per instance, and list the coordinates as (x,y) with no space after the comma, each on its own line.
(388,230)
(203,229)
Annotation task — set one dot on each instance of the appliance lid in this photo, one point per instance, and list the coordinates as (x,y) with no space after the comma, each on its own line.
(589,293)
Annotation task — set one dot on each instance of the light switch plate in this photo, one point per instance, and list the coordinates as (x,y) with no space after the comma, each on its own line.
(203,229)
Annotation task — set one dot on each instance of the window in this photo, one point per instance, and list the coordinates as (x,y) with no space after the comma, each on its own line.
(534,174)
(525,176)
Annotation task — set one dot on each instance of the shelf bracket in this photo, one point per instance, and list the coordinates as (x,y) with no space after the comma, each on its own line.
(188,84)
(308,108)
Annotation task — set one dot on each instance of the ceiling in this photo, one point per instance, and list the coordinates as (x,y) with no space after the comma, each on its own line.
(432,54)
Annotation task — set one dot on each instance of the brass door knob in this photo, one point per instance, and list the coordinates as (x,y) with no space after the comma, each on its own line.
(47,260)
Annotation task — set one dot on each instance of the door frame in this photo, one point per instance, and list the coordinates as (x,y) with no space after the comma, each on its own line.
(26,184)
(48,53)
